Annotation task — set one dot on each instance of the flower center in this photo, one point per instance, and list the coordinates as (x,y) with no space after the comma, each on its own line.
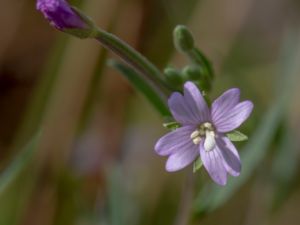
(206,131)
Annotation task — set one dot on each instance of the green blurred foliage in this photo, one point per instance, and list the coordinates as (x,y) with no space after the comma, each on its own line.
(95,164)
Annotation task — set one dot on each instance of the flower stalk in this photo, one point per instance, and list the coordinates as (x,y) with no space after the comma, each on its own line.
(134,59)
(74,22)
(184,43)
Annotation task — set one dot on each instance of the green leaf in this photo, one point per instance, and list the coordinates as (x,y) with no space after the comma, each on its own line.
(237,136)
(142,86)
(197,165)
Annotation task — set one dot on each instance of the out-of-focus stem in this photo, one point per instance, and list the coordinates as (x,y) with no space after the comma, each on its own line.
(134,59)
(184,210)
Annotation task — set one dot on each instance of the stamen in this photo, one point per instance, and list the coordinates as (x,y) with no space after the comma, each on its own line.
(195,134)
(208,125)
(196,140)
(205,130)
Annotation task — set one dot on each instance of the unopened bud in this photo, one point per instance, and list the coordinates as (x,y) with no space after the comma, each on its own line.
(192,72)
(173,76)
(183,38)
(66,18)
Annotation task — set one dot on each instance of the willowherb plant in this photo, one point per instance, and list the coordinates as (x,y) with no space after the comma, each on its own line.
(200,132)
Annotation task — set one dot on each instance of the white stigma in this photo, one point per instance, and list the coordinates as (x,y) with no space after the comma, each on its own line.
(210,141)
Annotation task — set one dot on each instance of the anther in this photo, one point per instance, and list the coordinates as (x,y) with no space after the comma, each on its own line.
(196,140)
(195,134)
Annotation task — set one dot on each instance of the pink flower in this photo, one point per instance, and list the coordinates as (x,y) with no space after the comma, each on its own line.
(203,132)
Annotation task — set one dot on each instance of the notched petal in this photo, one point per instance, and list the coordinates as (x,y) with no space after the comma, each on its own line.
(213,163)
(196,103)
(223,104)
(174,141)
(180,110)
(230,155)
(181,159)
(234,117)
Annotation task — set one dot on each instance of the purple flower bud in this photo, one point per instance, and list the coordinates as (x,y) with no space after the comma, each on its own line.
(60,14)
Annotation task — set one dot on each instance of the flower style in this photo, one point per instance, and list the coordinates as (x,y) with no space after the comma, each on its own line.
(203,132)
(60,14)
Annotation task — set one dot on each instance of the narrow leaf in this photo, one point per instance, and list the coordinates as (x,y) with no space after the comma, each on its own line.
(142,85)
(8,176)
(285,165)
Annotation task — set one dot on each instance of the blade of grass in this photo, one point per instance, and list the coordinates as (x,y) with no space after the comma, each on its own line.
(284,169)
(16,183)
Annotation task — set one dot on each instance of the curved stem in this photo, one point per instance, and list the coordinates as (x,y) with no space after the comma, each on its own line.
(134,59)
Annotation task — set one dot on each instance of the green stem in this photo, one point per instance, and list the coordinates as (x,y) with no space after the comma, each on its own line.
(198,58)
(135,60)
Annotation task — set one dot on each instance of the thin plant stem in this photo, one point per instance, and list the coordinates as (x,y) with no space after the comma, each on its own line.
(134,59)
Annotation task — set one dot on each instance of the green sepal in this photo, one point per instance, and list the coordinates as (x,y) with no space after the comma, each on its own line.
(197,165)
(237,136)
(170,123)
(89,31)
(173,125)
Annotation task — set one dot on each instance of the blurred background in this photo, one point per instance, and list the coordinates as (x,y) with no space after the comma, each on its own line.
(76,140)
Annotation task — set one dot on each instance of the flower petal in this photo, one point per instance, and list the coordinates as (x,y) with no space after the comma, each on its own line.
(196,103)
(180,110)
(60,14)
(223,104)
(230,155)
(174,141)
(213,163)
(182,158)
(234,117)
(190,108)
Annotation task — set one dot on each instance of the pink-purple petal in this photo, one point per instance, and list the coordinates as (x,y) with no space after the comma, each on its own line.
(183,158)
(60,14)
(174,141)
(230,155)
(196,103)
(180,110)
(213,163)
(234,117)
(223,104)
